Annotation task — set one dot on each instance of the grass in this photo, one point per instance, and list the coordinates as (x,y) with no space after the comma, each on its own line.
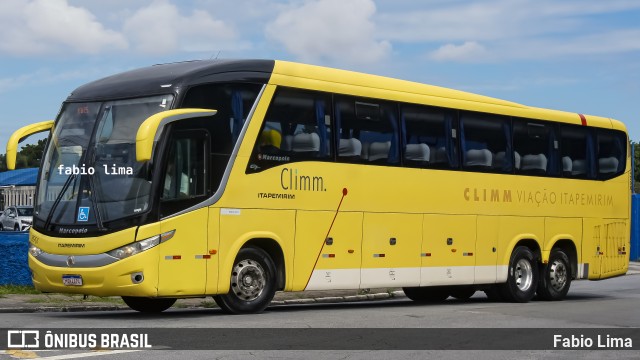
(17,289)
(60,299)
(53,298)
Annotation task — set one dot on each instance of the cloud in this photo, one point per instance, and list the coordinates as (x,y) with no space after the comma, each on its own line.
(330,31)
(47,76)
(53,26)
(495,19)
(470,51)
(160,28)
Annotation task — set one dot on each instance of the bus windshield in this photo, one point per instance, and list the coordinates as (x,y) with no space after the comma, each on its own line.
(89,171)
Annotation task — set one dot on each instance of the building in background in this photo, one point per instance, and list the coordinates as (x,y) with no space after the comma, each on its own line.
(17,187)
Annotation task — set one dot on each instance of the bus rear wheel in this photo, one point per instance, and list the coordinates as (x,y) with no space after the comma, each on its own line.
(522,278)
(555,277)
(253,283)
(430,294)
(148,305)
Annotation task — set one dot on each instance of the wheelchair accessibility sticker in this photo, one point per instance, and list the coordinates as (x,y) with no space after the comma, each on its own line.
(83,213)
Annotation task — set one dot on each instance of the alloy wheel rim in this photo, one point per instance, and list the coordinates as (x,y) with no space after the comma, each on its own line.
(523,274)
(558,275)
(248,280)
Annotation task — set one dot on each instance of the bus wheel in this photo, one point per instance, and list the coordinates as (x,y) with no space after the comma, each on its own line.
(430,294)
(462,292)
(253,283)
(522,279)
(148,305)
(555,277)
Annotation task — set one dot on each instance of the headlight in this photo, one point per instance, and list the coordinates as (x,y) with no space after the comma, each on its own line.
(140,246)
(34,250)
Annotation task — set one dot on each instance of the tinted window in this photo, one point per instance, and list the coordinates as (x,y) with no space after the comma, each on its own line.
(577,151)
(535,148)
(429,137)
(367,131)
(485,142)
(612,147)
(233,103)
(297,127)
(186,167)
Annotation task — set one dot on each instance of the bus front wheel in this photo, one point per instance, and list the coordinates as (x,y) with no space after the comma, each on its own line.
(253,283)
(430,294)
(555,277)
(148,305)
(522,278)
(462,292)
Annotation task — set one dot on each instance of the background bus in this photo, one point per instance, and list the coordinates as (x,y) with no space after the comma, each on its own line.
(271,175)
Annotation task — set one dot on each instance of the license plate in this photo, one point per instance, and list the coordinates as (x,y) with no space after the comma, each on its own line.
(72,280)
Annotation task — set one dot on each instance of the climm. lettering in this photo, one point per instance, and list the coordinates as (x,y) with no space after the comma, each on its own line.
(290,179)
(487,195)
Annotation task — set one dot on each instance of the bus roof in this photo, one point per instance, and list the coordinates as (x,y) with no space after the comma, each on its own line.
(177,77)
(172,78)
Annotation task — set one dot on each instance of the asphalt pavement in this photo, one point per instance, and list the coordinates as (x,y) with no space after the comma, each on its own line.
(29,303)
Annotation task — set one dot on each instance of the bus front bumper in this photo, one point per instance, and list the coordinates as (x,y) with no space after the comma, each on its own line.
(133,276)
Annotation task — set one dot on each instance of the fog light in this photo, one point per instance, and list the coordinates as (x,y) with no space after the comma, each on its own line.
(137,278)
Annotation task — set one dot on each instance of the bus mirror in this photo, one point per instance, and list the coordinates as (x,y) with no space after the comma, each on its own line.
(151,129)
(21,134)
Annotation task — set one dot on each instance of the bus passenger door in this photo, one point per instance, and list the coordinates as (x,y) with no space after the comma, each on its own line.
(185,184)
(448,250)
(391,250)
(336,257)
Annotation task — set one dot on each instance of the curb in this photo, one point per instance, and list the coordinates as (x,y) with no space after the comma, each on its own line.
(22,310)
(322,300)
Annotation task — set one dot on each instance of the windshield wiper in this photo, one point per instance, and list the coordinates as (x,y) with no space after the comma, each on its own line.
(58,198)
(92,194)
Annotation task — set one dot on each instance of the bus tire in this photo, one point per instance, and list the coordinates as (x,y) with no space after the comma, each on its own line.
(463,292)
(148,305)
(429,294)
(253,283)
(555,277)
(522,277)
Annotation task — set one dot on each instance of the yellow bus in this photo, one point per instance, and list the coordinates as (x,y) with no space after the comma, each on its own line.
(237,179)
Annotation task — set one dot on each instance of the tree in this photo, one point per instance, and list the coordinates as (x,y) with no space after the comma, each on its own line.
(28,157)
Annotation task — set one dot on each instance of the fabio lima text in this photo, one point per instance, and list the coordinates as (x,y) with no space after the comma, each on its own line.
(90,170)
(601,341)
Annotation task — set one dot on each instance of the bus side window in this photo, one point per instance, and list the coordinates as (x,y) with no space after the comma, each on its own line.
(368,131)
(297,127)
(611,153)
(429,137)
(185,181)
(535,148)
(485,142)
(577,151)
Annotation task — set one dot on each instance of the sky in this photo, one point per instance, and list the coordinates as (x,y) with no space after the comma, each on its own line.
(580,56)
